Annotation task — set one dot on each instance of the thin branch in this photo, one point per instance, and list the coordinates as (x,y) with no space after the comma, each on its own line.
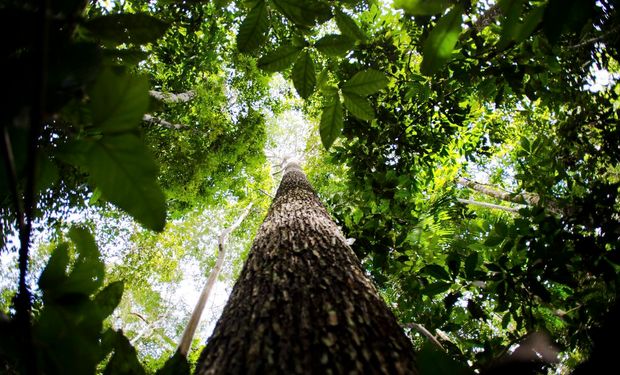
(595,39)
(488,205)
(420,328)
(190,330)
(265,193)
(163,123)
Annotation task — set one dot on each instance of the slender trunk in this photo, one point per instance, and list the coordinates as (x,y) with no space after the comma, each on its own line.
(186,341)
(303,303)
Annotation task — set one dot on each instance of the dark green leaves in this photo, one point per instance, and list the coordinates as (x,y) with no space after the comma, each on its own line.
(118,102)
(366,82)
(137,28)
(359,106)
(279,59)
(436,271)
(253,30)
(304,76)
(422,7)
(124,360)
(302,13)
(331,121)
(432,360)
(109,297)
(348,26)
(436,288)
(334,45)
(441,41)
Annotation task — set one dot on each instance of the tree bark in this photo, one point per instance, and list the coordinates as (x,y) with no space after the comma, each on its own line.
(303,304)
(168,97)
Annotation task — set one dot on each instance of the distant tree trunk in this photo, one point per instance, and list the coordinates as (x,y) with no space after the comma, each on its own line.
(303,304)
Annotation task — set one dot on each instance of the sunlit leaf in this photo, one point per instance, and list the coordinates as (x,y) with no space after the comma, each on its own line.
(253,30)
(118,101)
(359,106)
(304,76)
(348,26)
(331,121)
(441,41)
(366,82)
(422,7)
(279,59)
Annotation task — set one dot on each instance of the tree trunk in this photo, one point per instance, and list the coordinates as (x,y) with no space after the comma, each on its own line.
(303,303)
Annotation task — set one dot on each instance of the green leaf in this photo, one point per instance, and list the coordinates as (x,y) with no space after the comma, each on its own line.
(331,121)
(118,101)
(436,271)
(108,298)
(88,271)
(493,240)
(348,26)
(366,82)
(471,262)
(123,168)
(432,360)
(175,365)
(441,41)
(137,28)
(422,7)
(334,45)
(510,23)
(304,76)
(253,30)
(55,271)
(303,13)
(279,59)
(436,288)
(359,106)
(124,360)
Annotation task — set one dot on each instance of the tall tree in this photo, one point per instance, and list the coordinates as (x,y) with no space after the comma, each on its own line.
(303,303)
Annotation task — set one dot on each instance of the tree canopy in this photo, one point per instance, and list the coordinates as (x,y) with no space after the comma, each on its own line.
(469,149)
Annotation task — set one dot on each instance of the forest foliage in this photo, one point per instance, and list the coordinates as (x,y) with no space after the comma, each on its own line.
(469,147)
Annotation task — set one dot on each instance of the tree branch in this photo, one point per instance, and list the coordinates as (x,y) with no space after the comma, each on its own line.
(168,97)
(420,328)
(163,123)
(190,330)
(488,205)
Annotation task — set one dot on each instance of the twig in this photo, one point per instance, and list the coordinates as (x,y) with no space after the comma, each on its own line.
(488,205)
(425,332)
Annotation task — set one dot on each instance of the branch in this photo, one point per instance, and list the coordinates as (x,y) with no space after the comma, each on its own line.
(163,123)
(420,328)
(488,205)
(487,18)
(168,97)
(190,330)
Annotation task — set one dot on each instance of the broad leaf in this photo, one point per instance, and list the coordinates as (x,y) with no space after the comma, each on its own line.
(348,26)
(279,59)
(331,121)
(471,262)
(432,360)
(366,82)
(441,41)
(422,7)
(108,298)
(253,30)
(304,76)
(436,271)
(55,271)
(334,45)
(88,271)
(124,360)
(436,288)
(124,170)
(359,106)
(137,28)
(303,13)
(118,101)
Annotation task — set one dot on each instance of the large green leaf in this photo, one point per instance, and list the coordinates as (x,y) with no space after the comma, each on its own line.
(253,30)
(441,41)
(359,106)
(118,101)
(108,298)
(124,361)
(348,26)
(88,271)
(124,170)
(331,121)
(279,59)
(422,7)
(436,271)
(334,45)
(137,28)
(304,76)
(303,13)
(436,288)
(366,82)
(55,272)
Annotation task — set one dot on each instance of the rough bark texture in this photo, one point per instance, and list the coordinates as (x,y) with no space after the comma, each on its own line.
(303,304)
